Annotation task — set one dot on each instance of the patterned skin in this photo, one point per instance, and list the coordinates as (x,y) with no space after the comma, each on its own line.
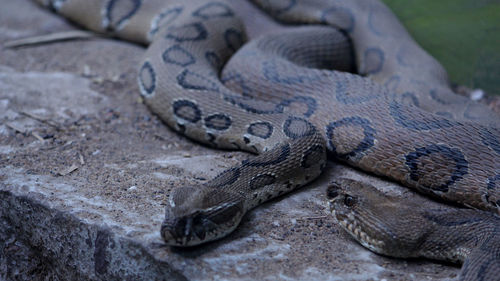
(466,236)
(279,98)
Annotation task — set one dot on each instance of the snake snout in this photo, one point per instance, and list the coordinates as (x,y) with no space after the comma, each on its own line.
(340,197)
(193,227)
(337,189)
(187,230)
(332,192)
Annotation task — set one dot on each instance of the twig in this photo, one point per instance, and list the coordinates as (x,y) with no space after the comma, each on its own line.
(160,136)
(313,218)
(68,171)
(40,119)
(17,129)
(36,135)
(80,156)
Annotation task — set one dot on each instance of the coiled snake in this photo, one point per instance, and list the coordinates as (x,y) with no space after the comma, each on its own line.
(278,97)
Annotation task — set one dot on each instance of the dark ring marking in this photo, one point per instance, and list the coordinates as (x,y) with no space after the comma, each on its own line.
(187,110)
(227,177)
(213,10)
(284,152)
(427,122)
(393,83)
(194,81)
(409,96)
(461,165)
(293,123)
(277,10)
(148,70)
(373,60)
(271,73)
(308,101)
(308,159)
(164,19)
(348,97)
(189,32)
(238,79)
(339,16)
(371,26)
(261,181)
(218,122)
(262,130)
(236,100)
(234,39)
(279,108)
(114,24)
(368,131)
(434,95)
(491,139)
(178,55)
(214,60)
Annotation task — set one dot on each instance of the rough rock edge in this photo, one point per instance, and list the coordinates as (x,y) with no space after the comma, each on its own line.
(52,235)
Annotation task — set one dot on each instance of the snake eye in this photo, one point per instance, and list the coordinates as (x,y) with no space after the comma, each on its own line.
(349,201)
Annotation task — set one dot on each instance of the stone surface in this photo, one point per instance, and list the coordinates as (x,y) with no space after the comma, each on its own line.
(86,169)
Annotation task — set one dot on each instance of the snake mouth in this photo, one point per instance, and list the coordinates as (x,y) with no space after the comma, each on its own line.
(200,226)
(351,224)
(187,231)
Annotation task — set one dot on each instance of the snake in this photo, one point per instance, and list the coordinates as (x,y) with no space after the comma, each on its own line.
(345,82)
(467,236)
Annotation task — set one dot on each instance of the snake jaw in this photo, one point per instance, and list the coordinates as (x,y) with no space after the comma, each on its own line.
(356,231)
(188,230)
(186,226)
(345,207)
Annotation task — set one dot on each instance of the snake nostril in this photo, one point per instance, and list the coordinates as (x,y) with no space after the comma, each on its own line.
(164,232)
(332,192)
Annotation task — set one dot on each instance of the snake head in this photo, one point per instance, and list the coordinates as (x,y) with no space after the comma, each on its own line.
(383,224)
(197,215)
(360,209)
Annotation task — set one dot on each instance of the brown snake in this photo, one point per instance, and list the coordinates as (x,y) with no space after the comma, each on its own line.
(279,97)
(471,237)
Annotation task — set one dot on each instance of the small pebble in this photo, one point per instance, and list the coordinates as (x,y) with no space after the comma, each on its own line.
(86,70)
(476,94)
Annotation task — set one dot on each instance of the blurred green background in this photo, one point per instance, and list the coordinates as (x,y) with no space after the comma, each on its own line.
(464,35)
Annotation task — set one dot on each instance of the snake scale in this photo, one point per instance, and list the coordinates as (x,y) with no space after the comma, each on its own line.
(289,98)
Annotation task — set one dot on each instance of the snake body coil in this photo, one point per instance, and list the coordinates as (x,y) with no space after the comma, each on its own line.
(278,97)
